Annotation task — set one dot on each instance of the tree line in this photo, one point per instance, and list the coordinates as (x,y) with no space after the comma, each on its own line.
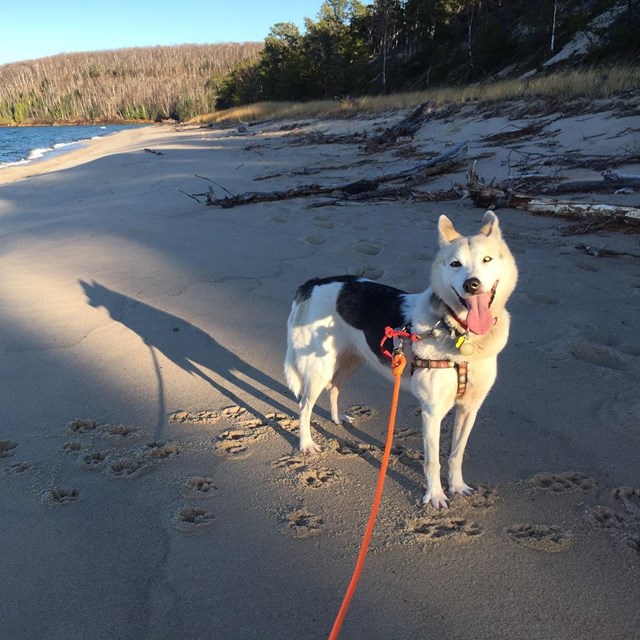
(352,49)
(147,83)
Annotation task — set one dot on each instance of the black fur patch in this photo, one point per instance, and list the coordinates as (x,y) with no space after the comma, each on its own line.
(371,307)
(304,291)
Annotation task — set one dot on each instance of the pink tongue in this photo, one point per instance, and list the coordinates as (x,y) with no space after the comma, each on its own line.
(479,318)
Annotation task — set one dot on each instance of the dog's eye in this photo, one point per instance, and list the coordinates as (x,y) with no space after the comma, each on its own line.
(487,259)
(456,264)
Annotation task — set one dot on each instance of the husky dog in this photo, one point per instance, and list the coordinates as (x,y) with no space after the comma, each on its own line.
(457,327)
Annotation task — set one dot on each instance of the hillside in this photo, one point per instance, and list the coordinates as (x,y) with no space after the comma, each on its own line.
(150,83)
(353,49)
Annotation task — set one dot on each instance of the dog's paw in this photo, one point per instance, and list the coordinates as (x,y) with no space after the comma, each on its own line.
(310,447)
(345,419)
(461,488)
(436,498)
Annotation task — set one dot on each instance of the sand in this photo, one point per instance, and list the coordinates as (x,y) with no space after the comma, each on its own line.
(149,481)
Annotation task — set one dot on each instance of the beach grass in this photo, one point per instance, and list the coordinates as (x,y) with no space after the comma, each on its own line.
(556,89)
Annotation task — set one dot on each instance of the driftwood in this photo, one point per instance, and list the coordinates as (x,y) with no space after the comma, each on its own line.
(610,183)
(417,174)
(487,196)
(406,128)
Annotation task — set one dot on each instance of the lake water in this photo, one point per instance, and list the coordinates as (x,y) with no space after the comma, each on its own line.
(25,144)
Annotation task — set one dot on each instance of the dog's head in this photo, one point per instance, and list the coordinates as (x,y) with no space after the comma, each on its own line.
(475,275)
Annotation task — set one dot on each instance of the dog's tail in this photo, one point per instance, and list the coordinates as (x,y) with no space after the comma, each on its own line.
(291,371)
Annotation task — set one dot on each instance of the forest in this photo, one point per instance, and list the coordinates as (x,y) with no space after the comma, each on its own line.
(348,50)
(409,45)
(137,84)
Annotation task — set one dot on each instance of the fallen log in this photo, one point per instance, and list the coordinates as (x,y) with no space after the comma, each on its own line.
(593,186)
(417,174)
(487,196)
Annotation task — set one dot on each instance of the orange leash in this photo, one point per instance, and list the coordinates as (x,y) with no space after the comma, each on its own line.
(397,364)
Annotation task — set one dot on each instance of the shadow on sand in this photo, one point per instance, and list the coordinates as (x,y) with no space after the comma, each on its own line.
(190,348)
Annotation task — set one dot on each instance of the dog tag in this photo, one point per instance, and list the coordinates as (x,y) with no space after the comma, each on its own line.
(465,346)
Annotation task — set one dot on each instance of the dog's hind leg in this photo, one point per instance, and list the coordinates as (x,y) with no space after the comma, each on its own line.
(346,365)
(313,387)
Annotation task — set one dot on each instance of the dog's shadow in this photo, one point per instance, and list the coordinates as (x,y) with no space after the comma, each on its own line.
(191,349)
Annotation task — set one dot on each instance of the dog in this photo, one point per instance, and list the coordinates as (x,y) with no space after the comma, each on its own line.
(457,326)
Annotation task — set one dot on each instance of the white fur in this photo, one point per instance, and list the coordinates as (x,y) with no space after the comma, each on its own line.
(323,350)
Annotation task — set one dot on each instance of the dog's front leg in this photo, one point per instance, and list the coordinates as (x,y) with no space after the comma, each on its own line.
(464,421)
(431,420)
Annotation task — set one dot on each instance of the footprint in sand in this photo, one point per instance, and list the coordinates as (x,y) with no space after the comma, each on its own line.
(207,417)
(408,455)
(606,517)
(233,411)
(289,462)
(199,487)
(58,496)
(360,411)
(324,224)
(282,420)
(126,468)
(73,446)
(623,521)
(316,478)
(599,354)
(368,248)
(442,528)
(563,482)
(191,519)
(633,542)
(7,448)
(541,537)
(280,218)
(300,523)
(234,443)
(18,468)
(81,425)
(482,498)
(162,450)
(316,240)
(121,433)
(93,460)
(201,417)
(630,499)
(351,448)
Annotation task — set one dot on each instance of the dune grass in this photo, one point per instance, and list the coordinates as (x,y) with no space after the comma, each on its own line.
(556,89)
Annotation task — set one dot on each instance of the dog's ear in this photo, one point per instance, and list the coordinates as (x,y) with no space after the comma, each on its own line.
(446,231)
(490,225)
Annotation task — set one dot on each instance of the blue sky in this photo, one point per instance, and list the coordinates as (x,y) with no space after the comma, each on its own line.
(39,28)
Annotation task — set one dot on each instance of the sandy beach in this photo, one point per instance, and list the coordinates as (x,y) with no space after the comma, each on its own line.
(150,486)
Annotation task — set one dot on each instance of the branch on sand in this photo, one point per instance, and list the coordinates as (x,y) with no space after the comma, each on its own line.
(415,175)
(487,196)
(406,128)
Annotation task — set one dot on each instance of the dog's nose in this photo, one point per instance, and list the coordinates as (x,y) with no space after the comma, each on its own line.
(471,285)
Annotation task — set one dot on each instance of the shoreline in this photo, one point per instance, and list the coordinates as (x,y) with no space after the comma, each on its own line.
(87,150)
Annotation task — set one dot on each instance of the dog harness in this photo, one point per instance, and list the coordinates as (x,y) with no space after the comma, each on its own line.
(423,363)
(461,367)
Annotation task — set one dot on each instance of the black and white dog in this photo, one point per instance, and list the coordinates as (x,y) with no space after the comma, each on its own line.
(459,325)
